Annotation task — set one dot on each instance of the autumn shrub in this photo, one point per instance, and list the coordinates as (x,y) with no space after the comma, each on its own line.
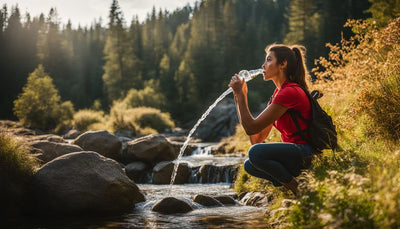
(83,119)
(367,64)
(39,105)
(153,118)
(17,167)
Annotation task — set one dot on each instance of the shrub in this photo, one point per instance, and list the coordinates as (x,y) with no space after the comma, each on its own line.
(83,119)
(39,105)
(142,120)
(153,118)
(368,64)
(121,118)
(17,167)
(147,97)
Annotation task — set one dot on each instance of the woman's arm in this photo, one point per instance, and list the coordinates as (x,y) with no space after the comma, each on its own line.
(252,125)
(266,118)
(261,136)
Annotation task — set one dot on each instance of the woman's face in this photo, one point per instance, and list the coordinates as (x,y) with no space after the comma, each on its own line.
(270,66)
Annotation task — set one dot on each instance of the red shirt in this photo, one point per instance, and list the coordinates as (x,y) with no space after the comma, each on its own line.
(292,96)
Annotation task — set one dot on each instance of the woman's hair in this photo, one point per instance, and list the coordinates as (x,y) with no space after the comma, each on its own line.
(296,69)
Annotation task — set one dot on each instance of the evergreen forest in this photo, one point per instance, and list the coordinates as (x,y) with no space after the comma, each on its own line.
(183,59)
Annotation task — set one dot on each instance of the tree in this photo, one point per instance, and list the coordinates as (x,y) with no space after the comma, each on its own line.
(121,67)
(39,104)
(304,26)
(384,10)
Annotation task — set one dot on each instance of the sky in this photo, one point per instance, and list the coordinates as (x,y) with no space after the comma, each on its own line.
(84,12)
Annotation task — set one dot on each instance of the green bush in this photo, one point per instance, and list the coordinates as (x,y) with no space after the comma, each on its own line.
(153,118)
(141,120)
(39,105)
(146,97)
(17,167)
(83,119)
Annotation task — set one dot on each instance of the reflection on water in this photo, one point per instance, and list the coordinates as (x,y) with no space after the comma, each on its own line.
(236,216)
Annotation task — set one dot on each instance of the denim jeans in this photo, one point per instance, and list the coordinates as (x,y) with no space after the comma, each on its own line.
(278,162)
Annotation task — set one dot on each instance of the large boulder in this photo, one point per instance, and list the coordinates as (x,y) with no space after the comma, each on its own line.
(151,149)
(171,205)
(84,183)
(47,151)
(102,142)
(162,173)
(220,123)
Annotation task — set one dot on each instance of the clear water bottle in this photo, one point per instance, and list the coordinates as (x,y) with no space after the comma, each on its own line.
(249,75)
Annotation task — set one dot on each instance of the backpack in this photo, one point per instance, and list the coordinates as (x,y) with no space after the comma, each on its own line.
(321,130)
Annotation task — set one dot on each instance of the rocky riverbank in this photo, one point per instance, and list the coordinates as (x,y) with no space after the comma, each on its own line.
(96,172)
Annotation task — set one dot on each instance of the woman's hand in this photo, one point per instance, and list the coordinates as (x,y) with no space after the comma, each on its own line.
(238,86)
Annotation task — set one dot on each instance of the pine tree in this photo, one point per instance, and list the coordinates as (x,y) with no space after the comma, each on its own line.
(39,104)
(120,69)
(304,26)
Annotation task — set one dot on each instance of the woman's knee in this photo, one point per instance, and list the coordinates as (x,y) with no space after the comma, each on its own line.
(255,153)
(247,166)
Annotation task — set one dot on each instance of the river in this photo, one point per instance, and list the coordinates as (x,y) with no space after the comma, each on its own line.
(234,216)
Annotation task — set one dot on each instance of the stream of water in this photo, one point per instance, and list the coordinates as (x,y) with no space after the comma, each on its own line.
(229,90)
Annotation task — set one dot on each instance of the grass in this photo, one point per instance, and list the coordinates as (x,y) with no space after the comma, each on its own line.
(17,167)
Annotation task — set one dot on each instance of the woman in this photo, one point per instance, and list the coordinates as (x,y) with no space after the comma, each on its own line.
(281,162)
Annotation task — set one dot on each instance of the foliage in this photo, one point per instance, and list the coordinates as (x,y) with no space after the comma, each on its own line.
(153,118)
(384,10)
(83,119)
(191,51)
(150,96)
(17,167)
(39,105)
(370,59)
(140,120)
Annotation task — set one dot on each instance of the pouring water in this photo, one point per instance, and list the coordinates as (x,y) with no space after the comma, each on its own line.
(247,75)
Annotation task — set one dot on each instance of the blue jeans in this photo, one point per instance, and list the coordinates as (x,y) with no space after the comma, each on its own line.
(278,162)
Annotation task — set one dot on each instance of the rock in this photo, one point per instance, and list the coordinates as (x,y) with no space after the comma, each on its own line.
(151,149)
(138,172)
(84,183)
(46,137)
(188,150)
(206,200)
(72,134)
(125,133)
(50,150)
(162,173)
(226,200)
(171,205)
(256,199)
(221,122)
(216,174)
(102,142)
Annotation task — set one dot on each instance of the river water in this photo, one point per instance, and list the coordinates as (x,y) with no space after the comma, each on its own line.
(234,216)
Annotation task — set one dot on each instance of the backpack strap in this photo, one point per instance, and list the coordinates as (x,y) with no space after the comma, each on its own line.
(293,113)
